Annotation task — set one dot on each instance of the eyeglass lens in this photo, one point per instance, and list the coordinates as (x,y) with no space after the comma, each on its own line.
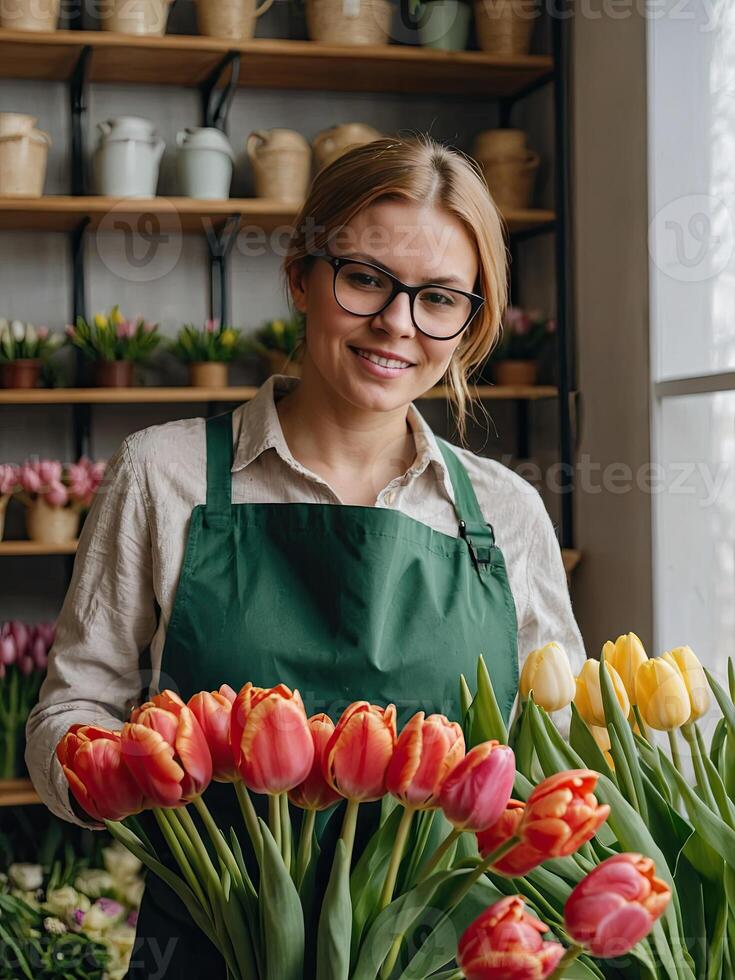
(438,311)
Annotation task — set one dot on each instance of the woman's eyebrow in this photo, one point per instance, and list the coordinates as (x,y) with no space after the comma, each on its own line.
(438,280)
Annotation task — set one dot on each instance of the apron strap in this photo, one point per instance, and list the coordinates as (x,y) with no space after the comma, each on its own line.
(218,511)
(472,525)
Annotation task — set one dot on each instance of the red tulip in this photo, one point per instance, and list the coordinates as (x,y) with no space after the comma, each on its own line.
(165,749)
(477,790)
(426,751)
(359,749)
(270,738)
(212,709)
(504,943)
(314,793)
(519,860)
(616,905)
(93,764)
(562,813)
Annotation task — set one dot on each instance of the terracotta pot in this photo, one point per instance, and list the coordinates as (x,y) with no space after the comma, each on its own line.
(113,374)
(52,525)
(23,373)
(510,372)
(280,363)
(208,374)
(3,510)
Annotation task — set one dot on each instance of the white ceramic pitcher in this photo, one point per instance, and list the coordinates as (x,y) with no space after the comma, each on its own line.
(127,158)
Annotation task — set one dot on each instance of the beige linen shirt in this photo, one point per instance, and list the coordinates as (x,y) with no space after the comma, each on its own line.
(131,550)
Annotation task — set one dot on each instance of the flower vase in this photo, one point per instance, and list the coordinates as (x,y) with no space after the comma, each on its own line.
(113,374)
(208,374)
(52,525)
(22,373)
(514,372)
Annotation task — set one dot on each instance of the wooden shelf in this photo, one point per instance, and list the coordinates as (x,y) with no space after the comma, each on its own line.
(142,395)
(177,59)
(17,792)
(25,548)
(184,215)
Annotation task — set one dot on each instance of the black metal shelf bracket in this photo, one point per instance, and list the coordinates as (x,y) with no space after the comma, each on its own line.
(220,245)
(216,101)
(78,107)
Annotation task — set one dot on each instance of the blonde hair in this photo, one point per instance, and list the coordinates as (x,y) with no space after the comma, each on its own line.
(418,169)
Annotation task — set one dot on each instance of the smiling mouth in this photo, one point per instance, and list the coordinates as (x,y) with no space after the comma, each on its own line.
(387,362)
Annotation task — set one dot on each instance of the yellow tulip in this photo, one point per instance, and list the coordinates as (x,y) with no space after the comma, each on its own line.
(116,316)
(548,673)
(688,665)
(626,655)
(662,695)
(228,337)
(588,697)
(602,737)
(100,321)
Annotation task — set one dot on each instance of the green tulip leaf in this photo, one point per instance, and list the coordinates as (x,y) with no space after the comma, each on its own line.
(619,724)
(335,921)
(583,742)
(368,875)
(483,720)
(281,916)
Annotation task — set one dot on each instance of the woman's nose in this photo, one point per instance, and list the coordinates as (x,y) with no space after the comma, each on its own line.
(396,317)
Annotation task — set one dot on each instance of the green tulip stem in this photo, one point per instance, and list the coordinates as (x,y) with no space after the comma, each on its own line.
(220,844)
(304,852)
(645,732)
(286,830)
(205,862)
(399,845)
(676,759)
(169,832)
(274,818)
(569,956)
(249,816)
(701,774)
(438,854)
(349,825)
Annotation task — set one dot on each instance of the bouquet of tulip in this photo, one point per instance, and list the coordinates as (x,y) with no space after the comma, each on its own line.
(450,855)
(674,800)
(59,484)
(110,337)
(212,342)
(24,341)
(23,659)
(524,333)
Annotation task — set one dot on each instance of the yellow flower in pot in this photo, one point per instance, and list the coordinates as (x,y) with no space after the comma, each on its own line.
(279,342)
(207,351)
(114,344)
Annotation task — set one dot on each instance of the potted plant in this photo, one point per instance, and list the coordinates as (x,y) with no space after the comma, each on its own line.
(8,486)
(442,24)
(23,349)
(23,658)
(514,361)
(114,344)
(207,350)
(279,341)
(55,495)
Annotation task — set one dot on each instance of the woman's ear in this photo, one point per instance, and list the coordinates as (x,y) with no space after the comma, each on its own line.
(297,285)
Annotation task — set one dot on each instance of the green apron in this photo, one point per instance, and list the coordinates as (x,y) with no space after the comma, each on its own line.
(344,603)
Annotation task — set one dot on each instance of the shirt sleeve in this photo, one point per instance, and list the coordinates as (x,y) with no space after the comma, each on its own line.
(108,617)
(549,614)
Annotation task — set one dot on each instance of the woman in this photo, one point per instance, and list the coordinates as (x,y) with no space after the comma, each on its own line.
(320,535)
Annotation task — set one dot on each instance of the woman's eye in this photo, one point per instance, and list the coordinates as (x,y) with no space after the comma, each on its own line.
(362,279)
(438,299)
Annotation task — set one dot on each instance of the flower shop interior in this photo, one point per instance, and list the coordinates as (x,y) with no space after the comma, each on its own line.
(143,285)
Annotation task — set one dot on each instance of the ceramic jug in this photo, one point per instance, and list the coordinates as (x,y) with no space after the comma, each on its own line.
(127,157)
(204,161)
(330,143)
(281,164)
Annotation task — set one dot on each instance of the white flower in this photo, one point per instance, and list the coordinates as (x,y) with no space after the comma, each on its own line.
(54,925)
(132,892)
(119,861)
(18,330)
(30,333)
(104,914)
(26,876)
(94,882)
(63,901)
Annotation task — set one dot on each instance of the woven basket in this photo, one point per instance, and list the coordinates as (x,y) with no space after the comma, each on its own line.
(511,180)
(281,171)
(52,525)
(348,21)
(30,15)
(23,158)
(505,26)
(234,19)
(134,16)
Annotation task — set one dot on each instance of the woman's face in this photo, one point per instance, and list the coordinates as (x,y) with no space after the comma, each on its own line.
(418,245)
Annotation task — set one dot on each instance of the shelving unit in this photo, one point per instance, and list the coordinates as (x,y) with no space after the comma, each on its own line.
(218,69)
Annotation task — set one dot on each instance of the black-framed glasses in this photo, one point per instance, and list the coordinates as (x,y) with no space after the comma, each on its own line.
(365,289)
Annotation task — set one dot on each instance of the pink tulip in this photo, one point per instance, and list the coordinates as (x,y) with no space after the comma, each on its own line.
(426,751)
(50,470)
(477,790)
(213,709)
(39,652)
(29,478)
(562,813)
(504,943)
(8,651)
(314,792)
(358,752)
(26,666)
(519,860)
(42,332)
(211,326)
(57,495)
(8,478)
(21,634)
(616,905)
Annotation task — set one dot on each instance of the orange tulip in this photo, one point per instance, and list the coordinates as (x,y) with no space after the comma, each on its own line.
(359,750)
(426,751)
(562,813)
(478,788)
(93,764)
(504,943)
(212,709)
(519,860)
(270,738)
(165,749)
(314,793)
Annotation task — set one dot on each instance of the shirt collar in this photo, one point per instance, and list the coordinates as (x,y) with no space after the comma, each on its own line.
(260,429)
